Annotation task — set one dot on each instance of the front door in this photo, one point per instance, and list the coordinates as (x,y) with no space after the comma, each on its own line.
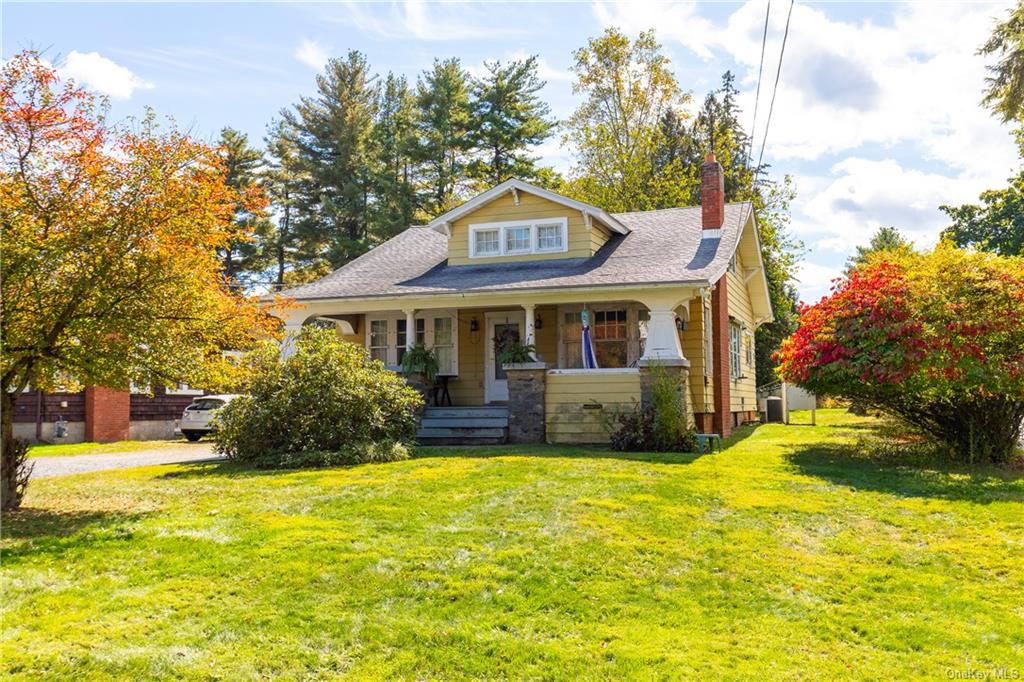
(502,329)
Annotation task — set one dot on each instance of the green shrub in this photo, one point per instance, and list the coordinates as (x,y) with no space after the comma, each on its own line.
(662,426)
(327,404)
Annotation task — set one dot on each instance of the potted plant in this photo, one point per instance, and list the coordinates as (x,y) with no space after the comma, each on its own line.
(419,365)
(516,353)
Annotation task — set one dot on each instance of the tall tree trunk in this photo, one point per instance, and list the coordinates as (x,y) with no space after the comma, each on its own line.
(14,466)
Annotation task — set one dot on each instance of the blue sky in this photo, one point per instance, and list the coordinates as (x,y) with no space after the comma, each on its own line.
(877,116)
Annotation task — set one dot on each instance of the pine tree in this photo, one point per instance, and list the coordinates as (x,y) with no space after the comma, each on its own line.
(507,119)
(283,182)
(394,142)
(333,133)
(717,129)
(443,134)
(243,258)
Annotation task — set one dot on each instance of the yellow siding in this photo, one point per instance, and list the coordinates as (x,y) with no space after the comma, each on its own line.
(692,340)
(468,388)
(742,393)
(598,236)
(547,335)
(581,240)
(566,394)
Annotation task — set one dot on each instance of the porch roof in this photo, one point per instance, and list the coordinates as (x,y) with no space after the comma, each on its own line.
(662,247)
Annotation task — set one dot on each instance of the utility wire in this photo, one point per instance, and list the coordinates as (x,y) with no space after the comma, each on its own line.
(775,88)
(757,94)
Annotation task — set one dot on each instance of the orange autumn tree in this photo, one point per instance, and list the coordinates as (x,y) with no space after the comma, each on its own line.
(109,250)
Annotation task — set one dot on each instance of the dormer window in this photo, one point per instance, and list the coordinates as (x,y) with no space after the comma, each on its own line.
(519,237)
(487,243)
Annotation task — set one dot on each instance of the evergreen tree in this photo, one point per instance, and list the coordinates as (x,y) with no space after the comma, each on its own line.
(717,129)
(333,133)
(884,239)
(1005,91)
(394,143)
(507,118)
(283,183)
(243,258)
(443,134)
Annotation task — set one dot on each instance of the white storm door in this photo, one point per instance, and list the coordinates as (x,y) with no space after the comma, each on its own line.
(502,328)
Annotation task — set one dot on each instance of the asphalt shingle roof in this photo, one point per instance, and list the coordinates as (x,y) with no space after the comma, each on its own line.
(663,246)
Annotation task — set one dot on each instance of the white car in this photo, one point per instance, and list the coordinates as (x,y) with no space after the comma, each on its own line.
(197,417)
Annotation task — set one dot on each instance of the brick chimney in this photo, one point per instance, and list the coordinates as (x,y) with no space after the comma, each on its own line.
(712,194)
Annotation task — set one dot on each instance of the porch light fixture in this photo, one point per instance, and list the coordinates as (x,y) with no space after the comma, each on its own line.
(538,322)
(474,326)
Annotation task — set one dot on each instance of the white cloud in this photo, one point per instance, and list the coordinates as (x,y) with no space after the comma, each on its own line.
(845,84)
(673,21)
(96,72)
(421,20)
(862,195)
(312,54)
(815,280)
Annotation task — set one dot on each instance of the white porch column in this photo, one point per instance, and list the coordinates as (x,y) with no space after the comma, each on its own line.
(662,336)
(530,336)
(288,342)
(410,329)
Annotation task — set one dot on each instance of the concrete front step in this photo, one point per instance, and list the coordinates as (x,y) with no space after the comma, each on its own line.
(431,422)
(460,433)
(463,426)
(465,412)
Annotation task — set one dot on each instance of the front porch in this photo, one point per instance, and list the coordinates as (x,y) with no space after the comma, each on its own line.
(566,402)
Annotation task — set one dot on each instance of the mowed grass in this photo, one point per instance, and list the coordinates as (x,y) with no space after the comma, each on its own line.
(69,449)
(788,555)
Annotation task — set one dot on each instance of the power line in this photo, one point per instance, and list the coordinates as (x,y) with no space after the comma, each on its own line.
(775,88)
(757,94)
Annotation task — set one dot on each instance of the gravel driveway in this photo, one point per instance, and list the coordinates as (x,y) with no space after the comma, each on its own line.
(46,467)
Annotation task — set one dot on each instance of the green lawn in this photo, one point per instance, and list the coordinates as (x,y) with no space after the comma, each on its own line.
(67,449)
(789,555)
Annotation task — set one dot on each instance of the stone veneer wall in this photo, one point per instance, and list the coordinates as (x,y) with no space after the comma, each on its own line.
(526,414)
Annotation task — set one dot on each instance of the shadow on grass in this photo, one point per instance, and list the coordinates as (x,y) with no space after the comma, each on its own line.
(30,523)
(850,466)
(31,532)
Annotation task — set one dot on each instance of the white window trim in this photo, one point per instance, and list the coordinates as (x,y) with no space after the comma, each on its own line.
(735,370)
(391,353)
(502,227)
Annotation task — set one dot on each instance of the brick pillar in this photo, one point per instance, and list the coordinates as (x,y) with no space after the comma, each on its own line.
(526,414)
(107,414)
(721,405)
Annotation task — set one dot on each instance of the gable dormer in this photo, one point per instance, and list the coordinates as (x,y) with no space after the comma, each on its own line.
(516,221)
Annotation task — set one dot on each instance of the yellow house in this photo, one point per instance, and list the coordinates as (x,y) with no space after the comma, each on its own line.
(681,288)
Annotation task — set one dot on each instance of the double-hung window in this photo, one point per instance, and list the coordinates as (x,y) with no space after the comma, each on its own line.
(378,341)
(517,240)
(709,342)
(545,235)
(610,343)
(487,242)
(735,339)
(387,337)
